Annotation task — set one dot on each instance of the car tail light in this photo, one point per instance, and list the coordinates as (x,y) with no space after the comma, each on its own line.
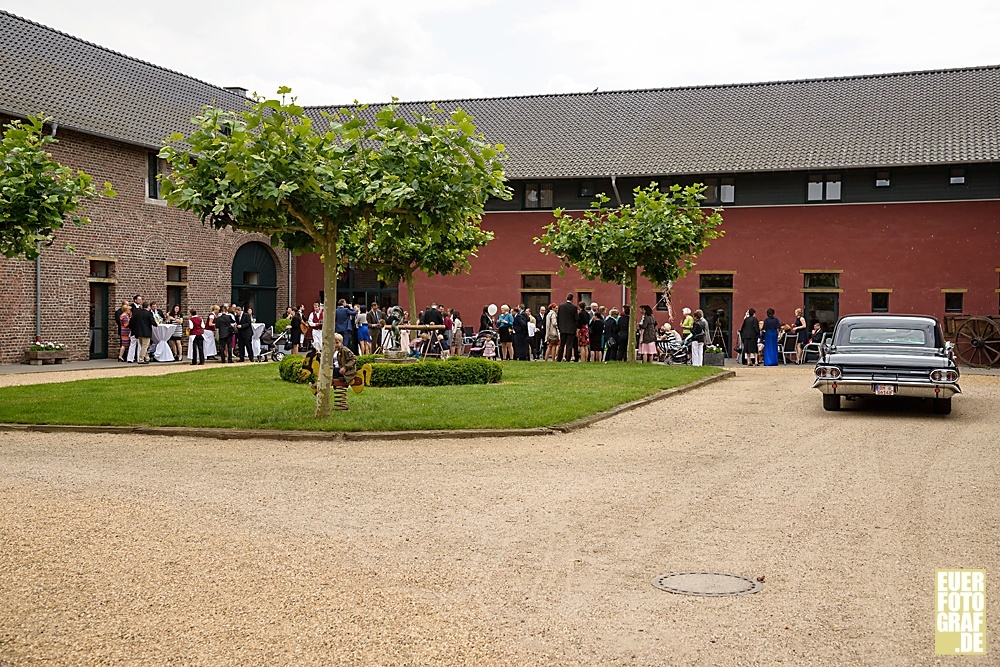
(828,372)
(944,376)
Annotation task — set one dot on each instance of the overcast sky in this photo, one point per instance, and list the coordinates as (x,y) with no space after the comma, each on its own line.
(337,52)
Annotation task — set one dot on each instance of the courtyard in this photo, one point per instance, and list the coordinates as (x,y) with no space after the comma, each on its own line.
(508,551)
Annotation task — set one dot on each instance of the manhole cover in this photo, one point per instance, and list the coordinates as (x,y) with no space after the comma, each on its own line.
(706,583)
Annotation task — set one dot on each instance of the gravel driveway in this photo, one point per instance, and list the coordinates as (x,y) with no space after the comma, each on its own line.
(509,551)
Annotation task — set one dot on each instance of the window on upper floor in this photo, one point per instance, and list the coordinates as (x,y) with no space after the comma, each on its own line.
(956,176)
(587,189)
(882,179)
(823,187)
(152,171)
(720,190)
(538,194)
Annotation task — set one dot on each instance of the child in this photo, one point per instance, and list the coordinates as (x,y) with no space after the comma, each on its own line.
(489,348)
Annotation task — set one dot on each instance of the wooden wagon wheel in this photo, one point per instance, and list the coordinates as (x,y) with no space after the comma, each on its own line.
(977,342)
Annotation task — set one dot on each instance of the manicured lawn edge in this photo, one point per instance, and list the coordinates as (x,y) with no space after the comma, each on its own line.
(273,434)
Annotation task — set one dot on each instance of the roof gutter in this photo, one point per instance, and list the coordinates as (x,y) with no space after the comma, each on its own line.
(614,186)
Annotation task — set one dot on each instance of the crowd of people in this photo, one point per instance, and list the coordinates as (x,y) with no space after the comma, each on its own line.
(761,340)
(227,329)
(569,331)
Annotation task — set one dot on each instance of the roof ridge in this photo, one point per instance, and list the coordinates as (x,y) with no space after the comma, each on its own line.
(753,84)
(118,53)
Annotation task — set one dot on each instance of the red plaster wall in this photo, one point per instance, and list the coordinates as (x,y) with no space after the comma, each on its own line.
(915,249)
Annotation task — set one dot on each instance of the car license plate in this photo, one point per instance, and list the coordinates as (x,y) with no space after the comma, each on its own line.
(885,390)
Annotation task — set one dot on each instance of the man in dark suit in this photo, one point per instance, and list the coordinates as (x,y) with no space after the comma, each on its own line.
(226,325)
(343,319)
(433,316)
(142,328)
(244,334)
(566,319)
(521,334)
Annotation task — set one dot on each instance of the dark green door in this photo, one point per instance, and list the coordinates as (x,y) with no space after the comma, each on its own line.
(255,281)
(99,321)
(718,310)
(823,308)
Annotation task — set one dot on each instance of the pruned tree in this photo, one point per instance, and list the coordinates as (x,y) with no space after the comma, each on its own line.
(267,169)
(660,233)
(37,194)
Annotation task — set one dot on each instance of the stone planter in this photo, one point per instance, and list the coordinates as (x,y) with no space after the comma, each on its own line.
(715,359)
(39,357)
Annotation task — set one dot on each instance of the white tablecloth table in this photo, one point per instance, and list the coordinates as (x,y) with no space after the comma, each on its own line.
(159,342)
(210,351)
(258,329)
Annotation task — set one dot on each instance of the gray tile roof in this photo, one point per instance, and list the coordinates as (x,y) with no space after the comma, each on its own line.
(948,116)
(95,90)
(934,117)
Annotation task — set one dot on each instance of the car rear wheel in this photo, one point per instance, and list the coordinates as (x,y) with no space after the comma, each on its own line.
(831,402)
(942,406)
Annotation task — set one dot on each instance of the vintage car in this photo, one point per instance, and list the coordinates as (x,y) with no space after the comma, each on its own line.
(887,355)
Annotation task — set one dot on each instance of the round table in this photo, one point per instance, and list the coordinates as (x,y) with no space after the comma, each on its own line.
(258,329)
(160,342)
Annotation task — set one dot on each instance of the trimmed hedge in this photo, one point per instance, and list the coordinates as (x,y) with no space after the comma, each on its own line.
(279,326)
(437,373)
(454,371)
(289,369)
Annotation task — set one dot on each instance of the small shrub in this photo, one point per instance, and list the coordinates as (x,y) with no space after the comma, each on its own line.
(368,359)
(280,325)
(289,369)
(437,373)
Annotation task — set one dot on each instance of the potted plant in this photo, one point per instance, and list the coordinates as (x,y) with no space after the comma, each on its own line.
(714,356)
(46,352)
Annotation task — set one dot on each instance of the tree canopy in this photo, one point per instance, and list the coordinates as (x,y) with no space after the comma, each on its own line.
(269,169)
(660,233)
(37,194)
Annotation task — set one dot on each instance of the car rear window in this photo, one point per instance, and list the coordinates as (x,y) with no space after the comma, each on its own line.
(888,336)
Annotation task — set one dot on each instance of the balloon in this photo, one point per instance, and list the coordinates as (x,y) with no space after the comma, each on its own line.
(492,310)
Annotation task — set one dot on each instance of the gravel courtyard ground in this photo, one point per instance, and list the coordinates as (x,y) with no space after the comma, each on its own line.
(509,551)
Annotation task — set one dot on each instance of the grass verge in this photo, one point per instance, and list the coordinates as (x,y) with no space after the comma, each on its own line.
(253,396)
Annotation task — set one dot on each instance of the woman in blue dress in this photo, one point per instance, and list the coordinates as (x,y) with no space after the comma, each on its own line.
(771,326)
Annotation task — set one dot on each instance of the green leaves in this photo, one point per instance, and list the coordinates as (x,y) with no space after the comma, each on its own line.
(661,233)
(37,194)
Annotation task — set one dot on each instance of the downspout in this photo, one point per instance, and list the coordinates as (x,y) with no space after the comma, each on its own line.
(38,294)
(618,197)
(290,304)
(38,271)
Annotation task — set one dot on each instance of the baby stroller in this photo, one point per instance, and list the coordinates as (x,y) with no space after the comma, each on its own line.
(675,351)
(271,346)
(476,350)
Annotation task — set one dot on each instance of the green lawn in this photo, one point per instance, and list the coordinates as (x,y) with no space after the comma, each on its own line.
(252,396)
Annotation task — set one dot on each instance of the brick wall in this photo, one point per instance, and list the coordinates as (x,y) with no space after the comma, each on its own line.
(141,235)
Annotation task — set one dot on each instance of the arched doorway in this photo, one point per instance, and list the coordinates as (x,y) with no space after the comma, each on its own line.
(255,281)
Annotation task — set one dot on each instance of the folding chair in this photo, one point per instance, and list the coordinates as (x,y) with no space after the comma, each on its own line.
(788,348)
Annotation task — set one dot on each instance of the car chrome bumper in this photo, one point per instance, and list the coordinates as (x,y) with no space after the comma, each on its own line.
(867,388)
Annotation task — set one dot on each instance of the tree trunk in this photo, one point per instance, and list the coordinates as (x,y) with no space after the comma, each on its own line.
(330,265)
(633,300)
(414,316)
